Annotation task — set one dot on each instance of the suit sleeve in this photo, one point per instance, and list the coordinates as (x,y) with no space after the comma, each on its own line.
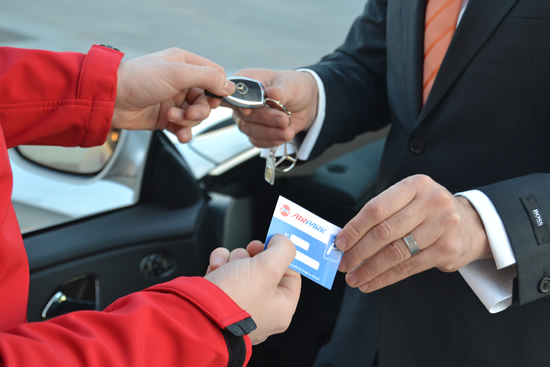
(184,322)
(357,106)
(57,98)
(524,207)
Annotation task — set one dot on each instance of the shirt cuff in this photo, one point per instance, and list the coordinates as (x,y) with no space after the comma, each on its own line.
(305,145)
(493,287)
(491,280)
(494,227)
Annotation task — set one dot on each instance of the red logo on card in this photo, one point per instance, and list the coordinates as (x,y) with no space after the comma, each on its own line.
(285,210)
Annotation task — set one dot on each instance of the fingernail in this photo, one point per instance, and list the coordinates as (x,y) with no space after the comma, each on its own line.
(343,265)
(183,137)
(229,86)
(351,279)
(341,243)
(364,288)
(198,116)
(216,264)
(175,116)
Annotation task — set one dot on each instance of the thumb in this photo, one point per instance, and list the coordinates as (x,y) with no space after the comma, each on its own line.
(277,257)
(204,77)
(274,93)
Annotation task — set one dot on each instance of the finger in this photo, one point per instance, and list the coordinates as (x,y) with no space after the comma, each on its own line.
(175,115)
(274,93)
(417,264)
(374,212)
(177,54)
(391,256)
(189,115)
(214,102)
(264,136)
(290,281)
(238,254)
(264,117)
(184,134)
(278,255)
(388,231)
(187,76)
(255,247)
(196,113)
(218,257)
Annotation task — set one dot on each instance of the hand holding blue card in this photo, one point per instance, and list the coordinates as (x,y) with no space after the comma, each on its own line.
(317,258)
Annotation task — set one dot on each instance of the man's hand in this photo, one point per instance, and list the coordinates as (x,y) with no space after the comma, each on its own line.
(165,90)
(260,282)
(267,127)
(448,230)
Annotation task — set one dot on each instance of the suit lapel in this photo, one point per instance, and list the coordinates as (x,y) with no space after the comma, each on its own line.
(412,19)
(480,19)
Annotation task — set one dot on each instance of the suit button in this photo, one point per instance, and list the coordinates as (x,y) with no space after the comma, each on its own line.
(417,145)
(544,285)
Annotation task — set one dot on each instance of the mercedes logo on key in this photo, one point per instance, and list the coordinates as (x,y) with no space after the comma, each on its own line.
(242,88)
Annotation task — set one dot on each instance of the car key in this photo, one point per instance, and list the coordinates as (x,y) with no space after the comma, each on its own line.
(249,93)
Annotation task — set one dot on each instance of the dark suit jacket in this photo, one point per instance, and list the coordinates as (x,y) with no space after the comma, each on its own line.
(486,126)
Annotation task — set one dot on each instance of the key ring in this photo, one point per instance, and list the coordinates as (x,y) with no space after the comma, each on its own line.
(273,103)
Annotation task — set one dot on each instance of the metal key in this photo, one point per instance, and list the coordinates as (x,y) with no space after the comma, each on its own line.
(250,93)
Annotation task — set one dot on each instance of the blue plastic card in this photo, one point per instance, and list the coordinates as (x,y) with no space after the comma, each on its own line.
(317,258)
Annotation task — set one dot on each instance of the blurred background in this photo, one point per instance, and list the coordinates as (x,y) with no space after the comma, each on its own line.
(236,34)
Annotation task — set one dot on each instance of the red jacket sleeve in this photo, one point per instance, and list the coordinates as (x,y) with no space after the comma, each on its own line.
(57,98)
(178,323)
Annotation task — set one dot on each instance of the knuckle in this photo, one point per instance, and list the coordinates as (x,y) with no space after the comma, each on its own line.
(367,271)
(354,229)
(421,180)
(447,199)
(446,268)
(172,51)
(375,209)
(402,270)
(354,255)
(452,220)
(395,252)
(383,231)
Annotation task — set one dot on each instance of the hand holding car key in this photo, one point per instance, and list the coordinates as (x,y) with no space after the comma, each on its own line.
(250,93)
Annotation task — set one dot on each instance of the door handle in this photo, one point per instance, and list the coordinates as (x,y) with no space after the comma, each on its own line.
(77,294)
(60,304)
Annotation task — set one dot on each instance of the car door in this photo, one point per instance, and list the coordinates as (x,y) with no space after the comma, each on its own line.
(189,199)
(89,262)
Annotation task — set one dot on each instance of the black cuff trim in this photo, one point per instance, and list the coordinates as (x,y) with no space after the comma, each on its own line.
(236,348)
(109,46)
(242,327)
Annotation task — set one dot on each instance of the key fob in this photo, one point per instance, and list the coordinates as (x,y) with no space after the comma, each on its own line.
(249,93)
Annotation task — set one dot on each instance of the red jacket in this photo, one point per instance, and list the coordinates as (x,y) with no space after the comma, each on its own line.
(68,99)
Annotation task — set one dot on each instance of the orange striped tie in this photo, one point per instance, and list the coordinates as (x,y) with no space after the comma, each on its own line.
(441,18)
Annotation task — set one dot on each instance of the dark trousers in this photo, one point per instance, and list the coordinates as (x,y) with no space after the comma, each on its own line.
(354,339)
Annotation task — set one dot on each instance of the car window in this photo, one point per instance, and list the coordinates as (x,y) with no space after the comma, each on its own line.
(280,34)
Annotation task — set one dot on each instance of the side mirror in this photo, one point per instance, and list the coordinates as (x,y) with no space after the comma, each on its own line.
(81,161)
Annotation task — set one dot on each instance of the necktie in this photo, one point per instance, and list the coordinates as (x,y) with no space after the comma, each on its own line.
(441,18)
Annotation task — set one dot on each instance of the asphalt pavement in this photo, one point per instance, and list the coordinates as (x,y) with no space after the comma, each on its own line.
(236,34)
